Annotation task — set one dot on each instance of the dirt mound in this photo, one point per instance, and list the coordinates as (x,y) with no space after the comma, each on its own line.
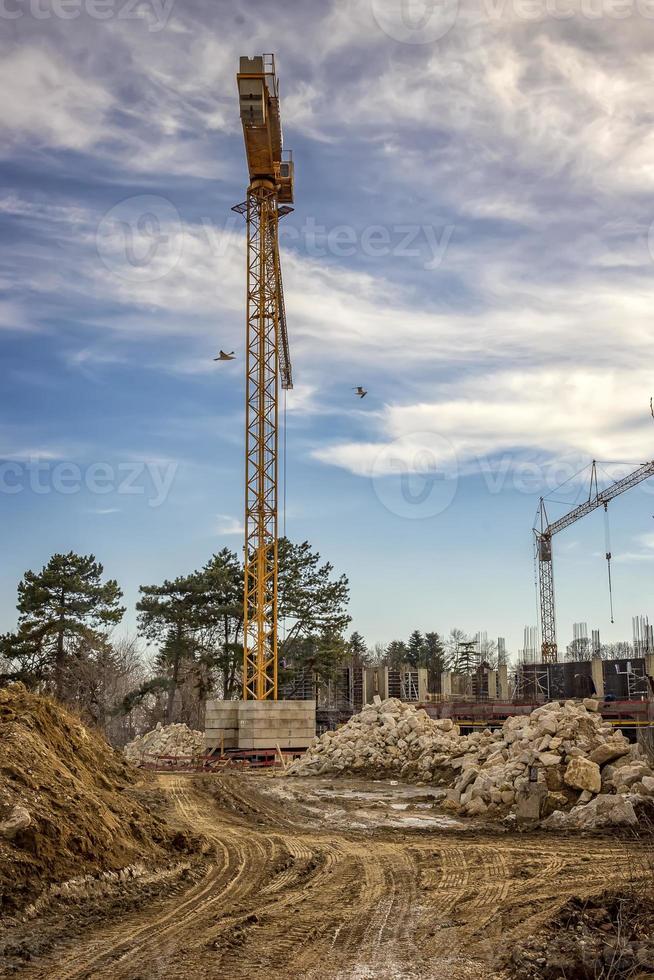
(68,804)
(607,936)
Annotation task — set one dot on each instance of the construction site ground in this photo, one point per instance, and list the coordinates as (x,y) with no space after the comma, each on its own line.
(316,878)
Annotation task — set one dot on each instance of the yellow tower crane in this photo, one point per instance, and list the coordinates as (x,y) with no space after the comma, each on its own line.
(269,195)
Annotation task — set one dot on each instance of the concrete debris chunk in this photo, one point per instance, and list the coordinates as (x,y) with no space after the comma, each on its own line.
(591,704)
(554,755)
(583,774)
(169,741)
(602,811)
(612,749)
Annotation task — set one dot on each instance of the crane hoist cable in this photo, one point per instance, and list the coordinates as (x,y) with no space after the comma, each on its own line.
(284,494)
(607,541)
(284,467)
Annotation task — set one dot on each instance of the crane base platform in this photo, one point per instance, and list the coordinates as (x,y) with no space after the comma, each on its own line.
(254,725)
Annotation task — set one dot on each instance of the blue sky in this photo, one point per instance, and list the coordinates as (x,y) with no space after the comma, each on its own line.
(471,242)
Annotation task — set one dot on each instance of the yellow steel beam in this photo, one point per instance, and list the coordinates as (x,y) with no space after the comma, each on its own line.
(261,449)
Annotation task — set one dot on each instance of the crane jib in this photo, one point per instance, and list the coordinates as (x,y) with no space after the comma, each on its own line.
(606,496)
(548,529)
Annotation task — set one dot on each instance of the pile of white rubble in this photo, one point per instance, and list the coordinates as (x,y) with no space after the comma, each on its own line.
(583,772)
(173,741)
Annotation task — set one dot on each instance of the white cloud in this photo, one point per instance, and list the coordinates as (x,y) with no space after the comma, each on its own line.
(228,525)
(14,317)
(643,553)
(51,103)
(557,413)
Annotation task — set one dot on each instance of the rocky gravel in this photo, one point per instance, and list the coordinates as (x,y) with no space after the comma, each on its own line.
(561,764)
(170,741)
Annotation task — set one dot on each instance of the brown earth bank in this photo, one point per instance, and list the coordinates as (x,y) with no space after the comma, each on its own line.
(311,878)
(69,804)
(609,935)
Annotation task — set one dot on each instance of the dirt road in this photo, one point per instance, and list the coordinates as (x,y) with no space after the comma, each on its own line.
(282,894)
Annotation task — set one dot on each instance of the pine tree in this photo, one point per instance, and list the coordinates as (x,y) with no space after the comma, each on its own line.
(63,607)
(197,621)
(220,618)
(434,659)
(168,617)
(310,599)
(415,648)
(357,649)
(397,653)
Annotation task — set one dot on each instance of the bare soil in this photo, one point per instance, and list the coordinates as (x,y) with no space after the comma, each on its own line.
(609,936)
(90,811)
(309,878)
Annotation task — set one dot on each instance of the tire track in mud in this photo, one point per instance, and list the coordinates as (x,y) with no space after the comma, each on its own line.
(286,899)
(223,884)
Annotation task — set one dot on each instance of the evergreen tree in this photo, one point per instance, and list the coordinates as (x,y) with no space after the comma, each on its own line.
(434,659)
(220,609)
(357,649)
(169,616)
(311,602)
(317,656)
(415,649)
(397,653)
(63,608)
(197,622)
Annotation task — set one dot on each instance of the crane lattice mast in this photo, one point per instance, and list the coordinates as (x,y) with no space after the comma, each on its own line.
(267,363)
(544,533)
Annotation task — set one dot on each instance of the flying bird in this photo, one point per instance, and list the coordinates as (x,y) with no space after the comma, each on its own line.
(225,357)
(361,392)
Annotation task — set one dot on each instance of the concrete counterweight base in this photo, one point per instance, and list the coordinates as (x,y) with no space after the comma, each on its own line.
(259,724)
